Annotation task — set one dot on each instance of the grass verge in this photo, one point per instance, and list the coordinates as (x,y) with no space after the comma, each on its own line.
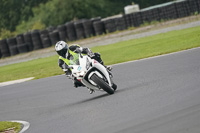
(111,54)
(6,125)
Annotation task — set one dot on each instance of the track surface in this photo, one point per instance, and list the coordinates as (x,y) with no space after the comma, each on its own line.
(156,95)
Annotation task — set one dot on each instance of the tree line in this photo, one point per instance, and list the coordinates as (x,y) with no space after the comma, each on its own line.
(24,15)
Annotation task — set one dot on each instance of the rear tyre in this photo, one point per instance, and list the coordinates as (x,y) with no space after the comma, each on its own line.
(102,84)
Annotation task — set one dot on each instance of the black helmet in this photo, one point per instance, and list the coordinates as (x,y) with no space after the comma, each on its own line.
(62,49)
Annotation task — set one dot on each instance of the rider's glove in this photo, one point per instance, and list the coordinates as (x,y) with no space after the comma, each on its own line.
(90,54)
(78,50)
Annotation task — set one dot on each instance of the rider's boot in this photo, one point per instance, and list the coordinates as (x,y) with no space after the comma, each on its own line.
(91,90)
(109,68)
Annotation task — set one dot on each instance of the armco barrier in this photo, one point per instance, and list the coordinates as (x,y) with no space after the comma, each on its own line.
(72,31)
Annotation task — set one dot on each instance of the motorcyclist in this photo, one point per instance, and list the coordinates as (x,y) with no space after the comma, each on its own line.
(66,53)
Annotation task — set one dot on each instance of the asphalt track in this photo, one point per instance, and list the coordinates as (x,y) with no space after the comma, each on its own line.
(156,95)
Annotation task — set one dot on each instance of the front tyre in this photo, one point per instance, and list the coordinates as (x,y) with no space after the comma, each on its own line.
(102,84)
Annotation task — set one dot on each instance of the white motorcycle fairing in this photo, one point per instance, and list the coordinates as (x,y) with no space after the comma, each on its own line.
(86,69)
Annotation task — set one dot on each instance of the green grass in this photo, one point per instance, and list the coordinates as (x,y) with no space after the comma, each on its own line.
(111,54)
(6,125)
(150,46)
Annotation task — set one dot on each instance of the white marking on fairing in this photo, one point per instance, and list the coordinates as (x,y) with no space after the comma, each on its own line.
(15,81)
(25,124)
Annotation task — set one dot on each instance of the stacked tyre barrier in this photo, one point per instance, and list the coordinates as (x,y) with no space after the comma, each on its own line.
(170,12)
(62,31)
(99,28)
(28,41)
(54,37)
(37,44)
(120,24)
(129,20)
(79,29)
(85,28)
(21,45)
(5,52)
(155,14)
(12,44)
(146,16)
(194,6)
(71,32)
(44,35)
(110,25)
(88,28)
(182,9)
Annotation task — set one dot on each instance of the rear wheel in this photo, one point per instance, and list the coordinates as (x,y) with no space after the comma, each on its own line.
(102,84)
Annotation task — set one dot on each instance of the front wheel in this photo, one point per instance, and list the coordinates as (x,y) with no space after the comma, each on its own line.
(102,84)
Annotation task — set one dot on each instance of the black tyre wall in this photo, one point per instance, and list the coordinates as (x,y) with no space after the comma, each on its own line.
(71,32)
(28,41)
(37,44)
(155,14)
(194,6)
(110,25)
(4,48)
(54,37)
(80,33)
(136,19)
(62,31)
(12,43)
(128,20)
(120,23)
(44,35)
(88,28)
(182,9)
(21,45)
(170,11)
(99,28)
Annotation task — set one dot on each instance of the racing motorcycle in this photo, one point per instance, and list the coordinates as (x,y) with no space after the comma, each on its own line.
(91,73)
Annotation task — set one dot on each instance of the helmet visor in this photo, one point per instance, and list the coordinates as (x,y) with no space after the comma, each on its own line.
(63,52)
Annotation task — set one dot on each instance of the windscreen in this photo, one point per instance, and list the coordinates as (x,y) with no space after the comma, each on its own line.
(74,60)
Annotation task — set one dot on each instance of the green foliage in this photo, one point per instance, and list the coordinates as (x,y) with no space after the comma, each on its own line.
(30,25)
(111,54)
(196,13)
(57,12)
(6,125)
(6,34)
(13,12)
